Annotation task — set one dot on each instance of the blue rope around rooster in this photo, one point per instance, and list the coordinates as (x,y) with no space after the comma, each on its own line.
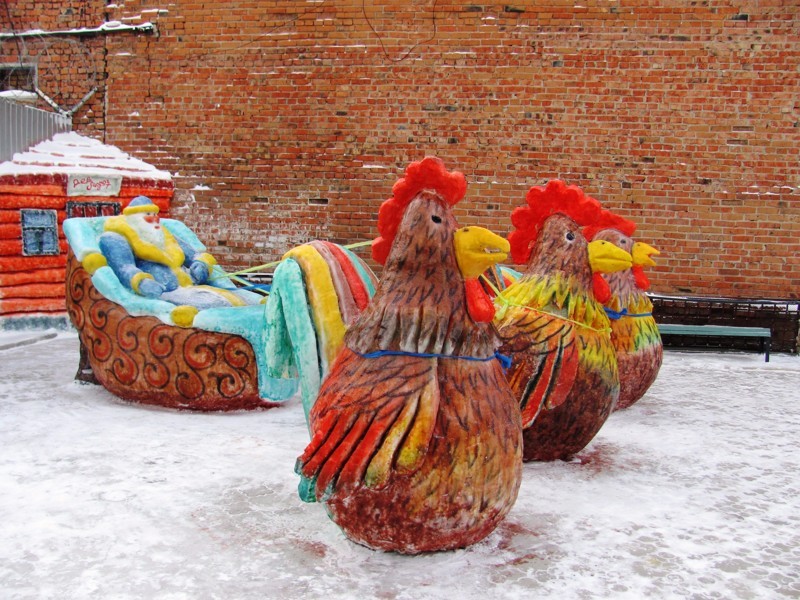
(615,315)
(504,360)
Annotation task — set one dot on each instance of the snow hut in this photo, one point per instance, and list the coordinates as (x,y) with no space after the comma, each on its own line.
(69,175)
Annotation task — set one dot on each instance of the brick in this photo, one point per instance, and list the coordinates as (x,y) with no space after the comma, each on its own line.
(269,104)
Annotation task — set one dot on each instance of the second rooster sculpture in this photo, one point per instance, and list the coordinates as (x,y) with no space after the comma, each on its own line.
(564,369)
(416,436)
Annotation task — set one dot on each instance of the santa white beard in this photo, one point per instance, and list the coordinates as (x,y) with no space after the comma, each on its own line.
(150,233)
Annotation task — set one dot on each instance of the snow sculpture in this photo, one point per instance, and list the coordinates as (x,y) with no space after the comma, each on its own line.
(416,437)
(150,334)
(634,332)
(152,351)
(551,320)
(153,262)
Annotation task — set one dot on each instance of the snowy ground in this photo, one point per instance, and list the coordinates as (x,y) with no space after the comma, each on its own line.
(691,493)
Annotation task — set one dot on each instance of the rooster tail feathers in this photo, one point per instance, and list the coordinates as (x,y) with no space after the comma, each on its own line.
(292,346)
(322,299)
(318,290)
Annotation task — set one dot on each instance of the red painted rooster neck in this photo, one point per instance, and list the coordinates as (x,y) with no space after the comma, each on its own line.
(560,246)
(420,304)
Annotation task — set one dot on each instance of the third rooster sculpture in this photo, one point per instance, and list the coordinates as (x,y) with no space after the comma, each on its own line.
(634,332)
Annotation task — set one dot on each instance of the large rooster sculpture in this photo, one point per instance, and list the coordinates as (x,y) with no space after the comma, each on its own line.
(564,369)
(416,437)
(634,332)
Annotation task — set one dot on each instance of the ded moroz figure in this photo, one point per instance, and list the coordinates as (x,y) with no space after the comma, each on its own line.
(154,262)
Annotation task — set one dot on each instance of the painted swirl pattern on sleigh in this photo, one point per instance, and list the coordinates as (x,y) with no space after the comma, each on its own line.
(143,359)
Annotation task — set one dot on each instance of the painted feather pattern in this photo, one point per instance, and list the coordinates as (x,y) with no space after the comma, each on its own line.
(636,339)
(416,436)
(548,370)
(406,434)
(564,371)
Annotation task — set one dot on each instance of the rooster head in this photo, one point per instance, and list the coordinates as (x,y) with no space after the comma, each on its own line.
(417,227)
(609,220)
(556,220)
(641,258)
(543,202)
(429,175)
(616,230)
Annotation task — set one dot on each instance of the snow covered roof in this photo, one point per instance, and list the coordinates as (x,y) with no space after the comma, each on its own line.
(74,154)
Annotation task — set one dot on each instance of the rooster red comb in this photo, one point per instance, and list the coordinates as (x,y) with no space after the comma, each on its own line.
(543,202)
(427,174)
(609,220)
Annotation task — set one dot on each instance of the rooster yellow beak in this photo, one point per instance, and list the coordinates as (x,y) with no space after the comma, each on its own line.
(605,257)
(641,254)
(477,249)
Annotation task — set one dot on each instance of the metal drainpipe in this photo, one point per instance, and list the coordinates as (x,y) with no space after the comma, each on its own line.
(105,28)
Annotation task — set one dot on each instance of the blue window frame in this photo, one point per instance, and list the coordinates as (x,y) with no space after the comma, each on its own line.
(39,232)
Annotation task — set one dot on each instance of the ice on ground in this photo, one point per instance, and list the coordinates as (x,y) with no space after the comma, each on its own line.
(691,493)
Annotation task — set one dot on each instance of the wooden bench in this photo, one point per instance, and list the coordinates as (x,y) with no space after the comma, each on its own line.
(763,333)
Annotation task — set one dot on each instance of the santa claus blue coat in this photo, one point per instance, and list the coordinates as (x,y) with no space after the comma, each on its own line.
(139,264)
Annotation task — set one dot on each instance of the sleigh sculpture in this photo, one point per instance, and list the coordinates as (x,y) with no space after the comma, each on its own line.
(216,359)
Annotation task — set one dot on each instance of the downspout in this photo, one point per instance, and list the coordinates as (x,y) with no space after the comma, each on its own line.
(105,28)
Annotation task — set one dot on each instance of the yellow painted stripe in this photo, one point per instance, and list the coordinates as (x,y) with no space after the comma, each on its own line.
(137,279)
(323,299)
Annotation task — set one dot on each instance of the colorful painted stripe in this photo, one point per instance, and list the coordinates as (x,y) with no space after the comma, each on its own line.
(357,288)
(322,299)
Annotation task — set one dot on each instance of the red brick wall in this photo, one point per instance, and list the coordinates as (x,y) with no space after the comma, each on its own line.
(683,116)
(69,67)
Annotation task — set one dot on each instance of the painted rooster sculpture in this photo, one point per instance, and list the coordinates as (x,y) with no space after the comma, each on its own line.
(634,332)
(416,436)
(564,368)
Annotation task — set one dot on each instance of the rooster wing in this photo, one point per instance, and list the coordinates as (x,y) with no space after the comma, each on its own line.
(544,359)
(374,417)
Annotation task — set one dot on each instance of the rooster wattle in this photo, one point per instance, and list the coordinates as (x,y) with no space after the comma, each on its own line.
(416,436)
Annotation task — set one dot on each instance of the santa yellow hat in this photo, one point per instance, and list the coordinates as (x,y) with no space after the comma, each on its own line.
(140,204)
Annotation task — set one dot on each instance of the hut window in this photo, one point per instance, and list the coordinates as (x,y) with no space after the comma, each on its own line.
(92,209)
(39,232)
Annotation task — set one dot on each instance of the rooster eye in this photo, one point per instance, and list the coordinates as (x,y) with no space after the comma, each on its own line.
(436,218)
(570,236)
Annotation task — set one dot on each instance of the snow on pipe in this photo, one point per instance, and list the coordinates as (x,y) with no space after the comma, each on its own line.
(109,27)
